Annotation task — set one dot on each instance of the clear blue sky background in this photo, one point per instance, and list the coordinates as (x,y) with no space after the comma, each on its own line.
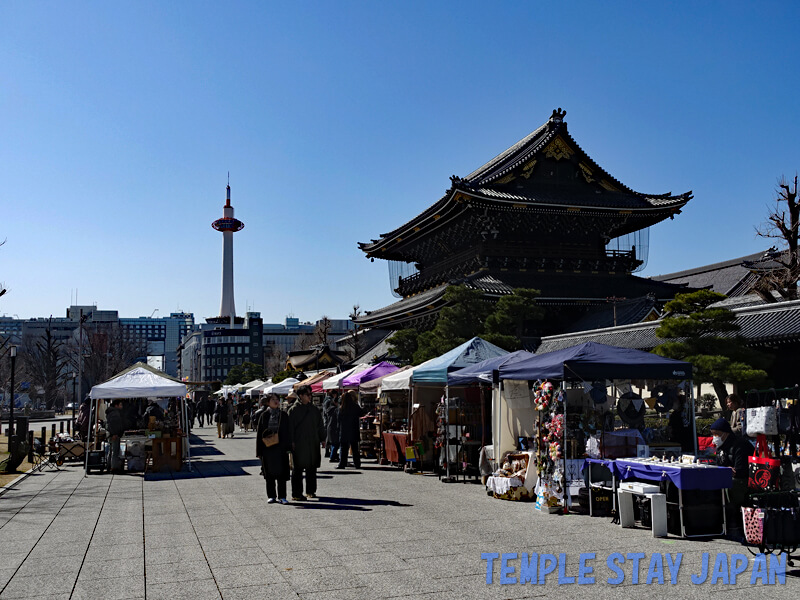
(342,120)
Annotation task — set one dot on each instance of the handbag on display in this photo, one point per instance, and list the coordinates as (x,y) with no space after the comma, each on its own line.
(764,472)
(762,421)
(753,525)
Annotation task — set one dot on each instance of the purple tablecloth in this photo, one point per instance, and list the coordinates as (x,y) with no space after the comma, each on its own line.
(685,477)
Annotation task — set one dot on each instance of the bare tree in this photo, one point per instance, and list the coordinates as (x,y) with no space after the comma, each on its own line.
(322,330)
(304,341)
(275,361)
(354,342)
(782,223)
(106,351)
(43,359)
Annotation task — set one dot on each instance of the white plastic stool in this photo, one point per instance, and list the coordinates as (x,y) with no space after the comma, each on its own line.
(658,505)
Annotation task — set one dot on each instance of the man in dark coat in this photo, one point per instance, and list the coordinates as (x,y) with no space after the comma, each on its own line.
(350,414)
(308,434)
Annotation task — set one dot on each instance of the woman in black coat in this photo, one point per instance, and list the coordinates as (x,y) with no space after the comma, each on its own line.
(332,425)
(274,459)
(349,430)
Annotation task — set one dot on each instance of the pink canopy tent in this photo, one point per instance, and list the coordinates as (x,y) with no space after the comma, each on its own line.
(375,371)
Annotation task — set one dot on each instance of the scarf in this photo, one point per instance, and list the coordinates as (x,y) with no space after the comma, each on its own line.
(274,419)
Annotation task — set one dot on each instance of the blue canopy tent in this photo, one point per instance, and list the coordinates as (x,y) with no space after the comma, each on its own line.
(435,371)
(482,371)
(592,361)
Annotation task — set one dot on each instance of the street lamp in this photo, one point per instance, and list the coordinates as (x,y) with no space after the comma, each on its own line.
(74,377)
(11,441)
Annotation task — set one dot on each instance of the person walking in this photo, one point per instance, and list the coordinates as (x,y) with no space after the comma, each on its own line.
(115,426)
(231,415)
(275,457)
(332,426)
(200,411)
(221,417)
(307,436)
(349,431)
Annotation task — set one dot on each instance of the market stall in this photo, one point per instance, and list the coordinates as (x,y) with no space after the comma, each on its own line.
(460,418)
(370,426)
(568,419)
(162,441)
(391,421)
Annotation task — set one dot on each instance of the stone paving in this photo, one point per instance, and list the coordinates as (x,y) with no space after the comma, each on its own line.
(374,533)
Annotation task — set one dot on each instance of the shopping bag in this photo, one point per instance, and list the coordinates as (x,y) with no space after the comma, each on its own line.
(762,421)
(764,472)
(753,525)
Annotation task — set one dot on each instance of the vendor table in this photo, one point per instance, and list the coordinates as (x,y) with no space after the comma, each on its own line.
(684,477)
(394,443)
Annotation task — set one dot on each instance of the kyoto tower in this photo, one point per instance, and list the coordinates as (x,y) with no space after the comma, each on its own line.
(228,225)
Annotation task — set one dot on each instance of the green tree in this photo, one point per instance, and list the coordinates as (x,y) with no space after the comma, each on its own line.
(468,314)
(512,319)
(459,321)
(247,371)
(705,336)
(403,344)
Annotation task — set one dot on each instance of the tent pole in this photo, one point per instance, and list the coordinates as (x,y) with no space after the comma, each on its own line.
(694,421)
(564,454)
(447,430)
(87,444)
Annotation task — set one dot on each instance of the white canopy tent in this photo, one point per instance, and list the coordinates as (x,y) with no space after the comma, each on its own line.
(259,389)
(226,389)
(332,383)
(400,381)
(250,384)
(138,381)
(282,388)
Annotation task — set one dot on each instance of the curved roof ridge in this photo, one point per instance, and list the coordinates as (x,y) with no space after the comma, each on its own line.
(480,172)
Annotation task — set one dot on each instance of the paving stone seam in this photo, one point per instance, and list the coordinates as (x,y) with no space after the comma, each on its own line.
(144,545)
(32,498)
(45,530)
(194,530)
(89,545)
(246,528)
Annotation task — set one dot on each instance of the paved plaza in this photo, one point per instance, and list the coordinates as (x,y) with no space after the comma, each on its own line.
(374,533)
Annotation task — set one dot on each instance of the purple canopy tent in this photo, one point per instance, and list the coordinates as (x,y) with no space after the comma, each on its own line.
(375,371)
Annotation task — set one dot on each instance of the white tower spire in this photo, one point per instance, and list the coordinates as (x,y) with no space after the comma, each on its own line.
(228,225)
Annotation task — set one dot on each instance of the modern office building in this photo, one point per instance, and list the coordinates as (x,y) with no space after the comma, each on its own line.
(226,347)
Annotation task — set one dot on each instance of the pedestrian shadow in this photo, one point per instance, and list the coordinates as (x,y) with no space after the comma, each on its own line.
(206,451)
(357,504)
(207,470)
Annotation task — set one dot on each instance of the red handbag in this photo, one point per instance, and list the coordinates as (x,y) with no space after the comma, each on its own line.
(764,472)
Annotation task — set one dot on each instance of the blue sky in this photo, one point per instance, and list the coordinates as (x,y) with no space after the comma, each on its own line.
(339,121)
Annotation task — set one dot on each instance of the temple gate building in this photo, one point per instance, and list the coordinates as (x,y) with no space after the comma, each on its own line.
(542,214)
